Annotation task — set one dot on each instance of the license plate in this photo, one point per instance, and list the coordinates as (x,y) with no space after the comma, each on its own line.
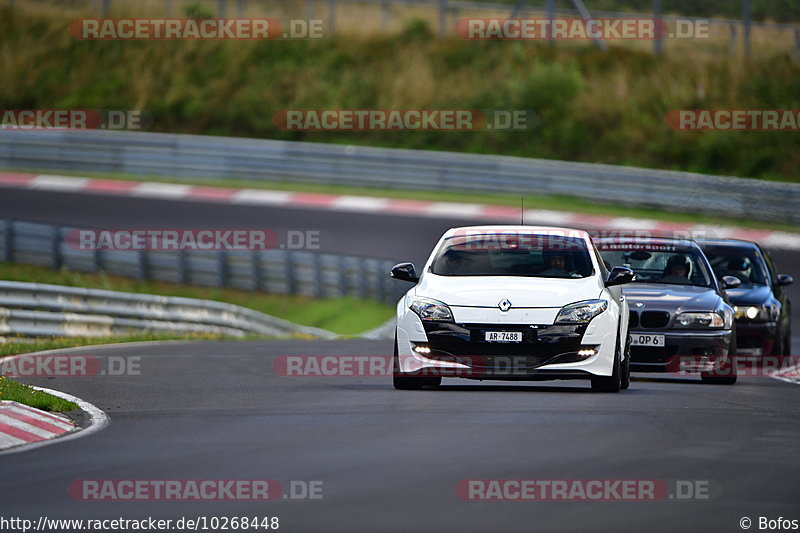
(647,340)
(503,336)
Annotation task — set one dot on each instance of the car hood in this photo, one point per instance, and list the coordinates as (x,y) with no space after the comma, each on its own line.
(488,291)
(667,297)
(750,295)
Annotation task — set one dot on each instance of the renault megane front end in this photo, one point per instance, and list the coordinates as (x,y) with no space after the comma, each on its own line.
(513,303)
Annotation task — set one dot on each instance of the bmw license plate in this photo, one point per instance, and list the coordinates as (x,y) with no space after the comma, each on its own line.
(503,336)
(647,340)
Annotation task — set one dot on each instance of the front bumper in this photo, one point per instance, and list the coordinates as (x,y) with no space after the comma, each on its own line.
(546,352)
(681,349)
(755,338)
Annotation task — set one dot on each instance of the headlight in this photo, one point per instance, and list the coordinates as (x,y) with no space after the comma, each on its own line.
(757,313)
(581,312)
(700,320)
(429,309)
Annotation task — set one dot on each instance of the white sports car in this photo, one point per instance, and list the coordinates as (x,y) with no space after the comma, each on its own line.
(513,303)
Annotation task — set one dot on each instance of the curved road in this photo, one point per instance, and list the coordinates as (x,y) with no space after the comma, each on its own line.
(389,460)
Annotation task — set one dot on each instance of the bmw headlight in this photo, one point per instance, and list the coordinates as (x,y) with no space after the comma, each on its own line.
(429,309)
(700,320)
(581,312)
(756,313)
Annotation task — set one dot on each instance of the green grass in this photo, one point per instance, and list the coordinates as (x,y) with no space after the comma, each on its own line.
(555,203)
(16,346)
(593,106)
(345,316)
(21,393)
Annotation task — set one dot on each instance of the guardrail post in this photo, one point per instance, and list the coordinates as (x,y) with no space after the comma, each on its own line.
(240,8)
(96,260)
(221,5)
(144,265)
(8,240)
(256,271)
(222,268)
(361,279)
(183,274)
(316,275)
(55,248)
(344,286)
(383,285)
(288,264)
(551,14)
(732,39)
(106,7)
(658,43)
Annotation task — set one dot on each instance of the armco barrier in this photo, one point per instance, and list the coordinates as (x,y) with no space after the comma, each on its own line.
(197,157)
(41,310)
(317,275)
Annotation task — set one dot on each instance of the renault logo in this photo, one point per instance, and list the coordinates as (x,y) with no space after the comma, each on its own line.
(504,305)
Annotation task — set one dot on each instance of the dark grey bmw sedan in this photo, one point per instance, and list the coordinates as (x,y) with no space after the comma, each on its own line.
(680,317)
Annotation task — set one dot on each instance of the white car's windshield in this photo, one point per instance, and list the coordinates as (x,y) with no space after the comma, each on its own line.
(542,256)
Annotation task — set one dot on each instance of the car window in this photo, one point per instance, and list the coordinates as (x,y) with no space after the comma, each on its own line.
(745,264)
(659,264)
(531,256)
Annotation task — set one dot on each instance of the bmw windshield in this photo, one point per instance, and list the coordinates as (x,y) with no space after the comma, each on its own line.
(742,263)
(656,263)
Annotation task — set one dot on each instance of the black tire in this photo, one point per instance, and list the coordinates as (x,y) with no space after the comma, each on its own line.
(727,374)
(405,382)
(612,383)
(787,343)
(780,346)
(625,381)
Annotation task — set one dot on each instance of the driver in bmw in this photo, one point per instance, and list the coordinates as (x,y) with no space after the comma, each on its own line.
(677,270)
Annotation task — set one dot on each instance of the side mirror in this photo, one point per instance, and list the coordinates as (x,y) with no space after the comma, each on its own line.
(404,272)
(784,280)
(619,276)
(730,282)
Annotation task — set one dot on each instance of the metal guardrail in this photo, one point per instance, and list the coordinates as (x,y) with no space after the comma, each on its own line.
(317,275)
(193,156)
(41,310)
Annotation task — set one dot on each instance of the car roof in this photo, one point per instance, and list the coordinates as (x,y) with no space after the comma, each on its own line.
(727,243)
(496,228)
(657,241)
